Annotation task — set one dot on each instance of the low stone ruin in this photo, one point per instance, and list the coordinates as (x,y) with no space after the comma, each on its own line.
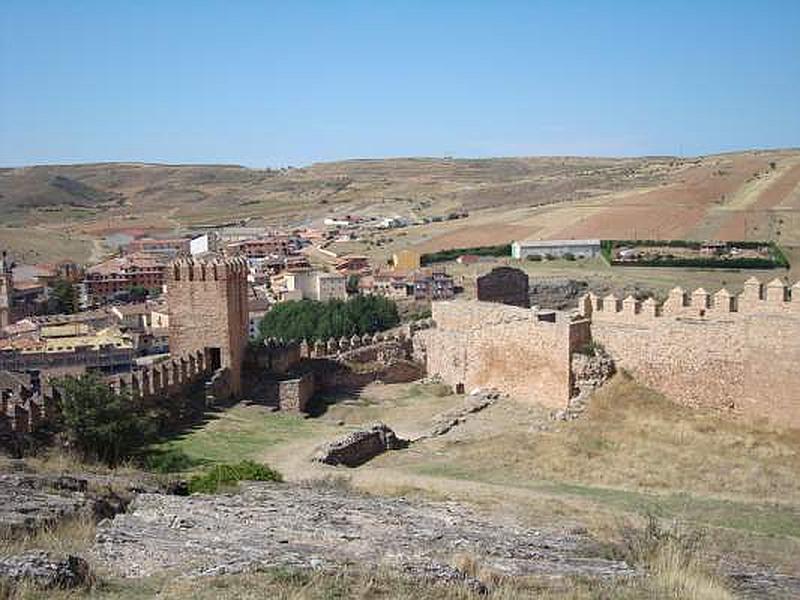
(360,446)
(590,371)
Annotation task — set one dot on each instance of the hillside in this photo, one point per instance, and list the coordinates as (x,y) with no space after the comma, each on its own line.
(753,195)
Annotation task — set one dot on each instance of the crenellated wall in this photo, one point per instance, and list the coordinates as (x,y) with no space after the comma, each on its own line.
(207,301)
(27,405)
(724,351)
(523,352)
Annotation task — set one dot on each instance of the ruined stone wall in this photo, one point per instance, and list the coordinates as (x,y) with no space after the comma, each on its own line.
(479,344)
(208,309)
(734,353)
(294,394)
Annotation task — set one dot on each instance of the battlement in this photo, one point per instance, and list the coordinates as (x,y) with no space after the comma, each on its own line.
(25,404)
(166,378)
(212,269)
(756,299)
(463,315)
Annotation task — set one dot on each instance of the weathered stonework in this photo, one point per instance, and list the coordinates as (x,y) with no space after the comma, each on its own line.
(294,394)
(505,285)
(208,309)
(710,350)
(522,352)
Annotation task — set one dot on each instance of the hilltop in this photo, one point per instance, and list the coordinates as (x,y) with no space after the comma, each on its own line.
(746,195)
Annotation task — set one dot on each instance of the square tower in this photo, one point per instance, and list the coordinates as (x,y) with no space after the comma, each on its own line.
(207,301)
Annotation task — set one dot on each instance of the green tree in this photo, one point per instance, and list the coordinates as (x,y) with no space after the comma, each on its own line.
(63,298)
(311,320)
(100,423)
(352,284)
(138,293)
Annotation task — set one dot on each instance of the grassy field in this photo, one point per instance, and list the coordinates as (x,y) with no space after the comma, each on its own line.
(634,453)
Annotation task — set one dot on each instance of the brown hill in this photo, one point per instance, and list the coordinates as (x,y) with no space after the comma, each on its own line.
(748,194)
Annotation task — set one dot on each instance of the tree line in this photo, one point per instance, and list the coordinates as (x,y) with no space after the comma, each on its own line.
(312,320)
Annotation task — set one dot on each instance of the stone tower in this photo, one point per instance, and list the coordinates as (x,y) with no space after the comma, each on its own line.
(207,301)
(6,291)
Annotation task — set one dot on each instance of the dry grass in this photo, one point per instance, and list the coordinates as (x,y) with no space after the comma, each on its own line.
(69,536)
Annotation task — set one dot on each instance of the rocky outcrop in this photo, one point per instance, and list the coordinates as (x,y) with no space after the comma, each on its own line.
(284,525)
(360,446)
(31,501)
(46,570)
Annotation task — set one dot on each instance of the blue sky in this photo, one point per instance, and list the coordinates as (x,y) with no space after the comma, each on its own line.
(289,83)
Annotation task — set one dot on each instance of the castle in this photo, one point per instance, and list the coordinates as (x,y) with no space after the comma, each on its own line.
(720,351)
(207,302)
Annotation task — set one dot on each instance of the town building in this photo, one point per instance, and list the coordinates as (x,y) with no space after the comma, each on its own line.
(391,284)
(406,260)
(275,245)
(313,285)
(432,284)
(352,264)
(555,248)
(168,247)
(110,279)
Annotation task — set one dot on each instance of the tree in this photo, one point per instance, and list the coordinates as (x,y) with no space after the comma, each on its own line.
(138,293)
(352,284)
(100,423)
(311,320)
(63,298)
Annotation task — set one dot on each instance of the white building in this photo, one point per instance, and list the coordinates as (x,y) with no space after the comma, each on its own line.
(314,285)
(555,248)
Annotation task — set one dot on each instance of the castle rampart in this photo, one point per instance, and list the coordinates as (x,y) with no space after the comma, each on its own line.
(719,350)
(526,353)
(208,309)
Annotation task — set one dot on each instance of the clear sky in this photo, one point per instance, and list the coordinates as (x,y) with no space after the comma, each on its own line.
(293,82)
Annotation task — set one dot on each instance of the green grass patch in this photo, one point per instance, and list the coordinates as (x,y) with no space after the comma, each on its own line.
(239,433)
(226,476)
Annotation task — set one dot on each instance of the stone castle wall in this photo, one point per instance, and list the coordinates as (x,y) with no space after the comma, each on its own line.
(738,353)
(522,352)
(208,309)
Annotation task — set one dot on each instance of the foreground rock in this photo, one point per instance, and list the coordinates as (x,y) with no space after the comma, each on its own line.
(30,501)
(360,446)
(285,525)
(46,570)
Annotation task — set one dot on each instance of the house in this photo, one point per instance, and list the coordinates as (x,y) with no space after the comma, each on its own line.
(313,285)
(392,285)
(107,280)
(352,264)
(555,248)
(432,284)
(406,260)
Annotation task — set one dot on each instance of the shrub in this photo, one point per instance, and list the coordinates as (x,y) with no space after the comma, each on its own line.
(568,256)
(100,423)
(171,460)
(453,253)
(227,476)
(535,257)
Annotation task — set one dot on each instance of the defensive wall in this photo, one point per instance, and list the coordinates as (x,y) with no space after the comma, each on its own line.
(526,353)
(28,403)
(287,374)
(723,351)
(207,301)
